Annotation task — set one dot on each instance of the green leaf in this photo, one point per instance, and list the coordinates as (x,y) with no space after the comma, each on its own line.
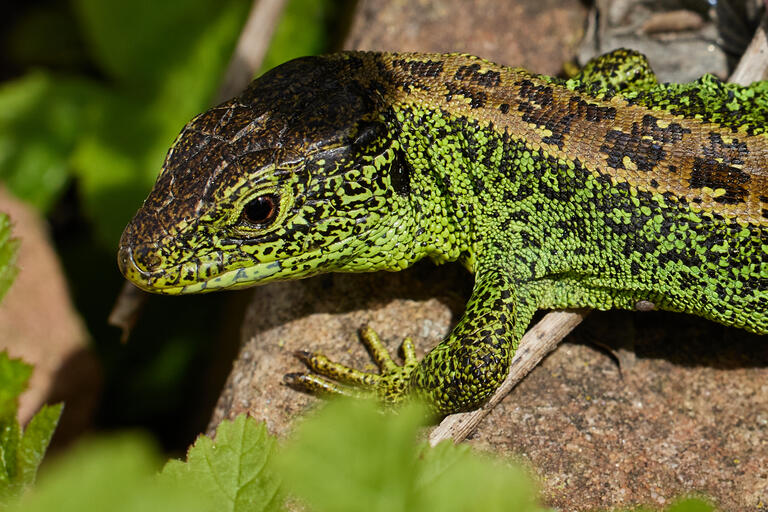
(350,454)
(691,505)
(9,445)
(14,376)
(41,119)
(456,478)
(8,248)
(20,453)
(34,442)
(233,471)
(137,42)
(117,474)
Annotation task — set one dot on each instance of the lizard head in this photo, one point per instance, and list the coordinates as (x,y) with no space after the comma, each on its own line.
(298,175)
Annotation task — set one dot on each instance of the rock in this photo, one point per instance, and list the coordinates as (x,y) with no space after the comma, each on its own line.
(689,416)
(324,314)
(538,36)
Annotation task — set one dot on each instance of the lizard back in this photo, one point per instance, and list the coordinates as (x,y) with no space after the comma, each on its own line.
(708,155)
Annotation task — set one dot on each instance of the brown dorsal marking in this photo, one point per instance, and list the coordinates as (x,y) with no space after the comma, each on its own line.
(711,167)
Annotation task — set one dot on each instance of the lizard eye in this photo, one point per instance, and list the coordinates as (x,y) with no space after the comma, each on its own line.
(260,210)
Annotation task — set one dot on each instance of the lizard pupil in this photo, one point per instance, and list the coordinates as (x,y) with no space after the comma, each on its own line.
(260,210)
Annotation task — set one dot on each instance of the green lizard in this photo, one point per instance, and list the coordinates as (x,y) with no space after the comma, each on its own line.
(608,190)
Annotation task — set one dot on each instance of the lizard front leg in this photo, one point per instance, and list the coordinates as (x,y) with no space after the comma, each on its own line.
(466,368)
(459,373)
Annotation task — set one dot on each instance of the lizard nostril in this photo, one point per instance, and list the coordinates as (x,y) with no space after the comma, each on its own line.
(141,258)
(145,257)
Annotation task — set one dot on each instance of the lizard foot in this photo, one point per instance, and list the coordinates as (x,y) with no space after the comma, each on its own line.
(330,378)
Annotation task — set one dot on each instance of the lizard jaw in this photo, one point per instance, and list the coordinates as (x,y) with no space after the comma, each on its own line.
(187,277)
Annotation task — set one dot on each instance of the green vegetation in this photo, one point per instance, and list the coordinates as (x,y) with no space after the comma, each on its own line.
(21,451)
(346,455)
(116,474)
(234,472)
(350,454)
(8,247)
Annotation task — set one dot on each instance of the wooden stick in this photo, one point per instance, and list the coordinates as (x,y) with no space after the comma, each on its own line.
(753,65)
(251,47)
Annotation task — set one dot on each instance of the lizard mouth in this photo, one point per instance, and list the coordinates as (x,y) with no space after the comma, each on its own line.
(208,274)
(142,266)
(200,275)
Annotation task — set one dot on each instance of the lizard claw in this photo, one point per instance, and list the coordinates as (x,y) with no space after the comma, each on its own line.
(321,386)
(330,378)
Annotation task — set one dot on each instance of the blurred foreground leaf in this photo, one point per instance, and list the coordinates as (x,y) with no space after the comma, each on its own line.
(352,454)
(691,505)
(232,471)
(21,452)
(8,248)
(115,474)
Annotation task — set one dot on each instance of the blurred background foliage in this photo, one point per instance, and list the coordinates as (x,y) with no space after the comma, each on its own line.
(92,94)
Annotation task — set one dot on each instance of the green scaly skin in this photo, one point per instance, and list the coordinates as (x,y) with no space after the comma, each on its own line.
(601,191)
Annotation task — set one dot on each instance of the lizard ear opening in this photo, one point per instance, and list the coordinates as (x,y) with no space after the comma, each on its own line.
(400,174)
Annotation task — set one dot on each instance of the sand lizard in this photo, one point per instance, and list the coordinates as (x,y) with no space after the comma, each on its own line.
(605,190)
